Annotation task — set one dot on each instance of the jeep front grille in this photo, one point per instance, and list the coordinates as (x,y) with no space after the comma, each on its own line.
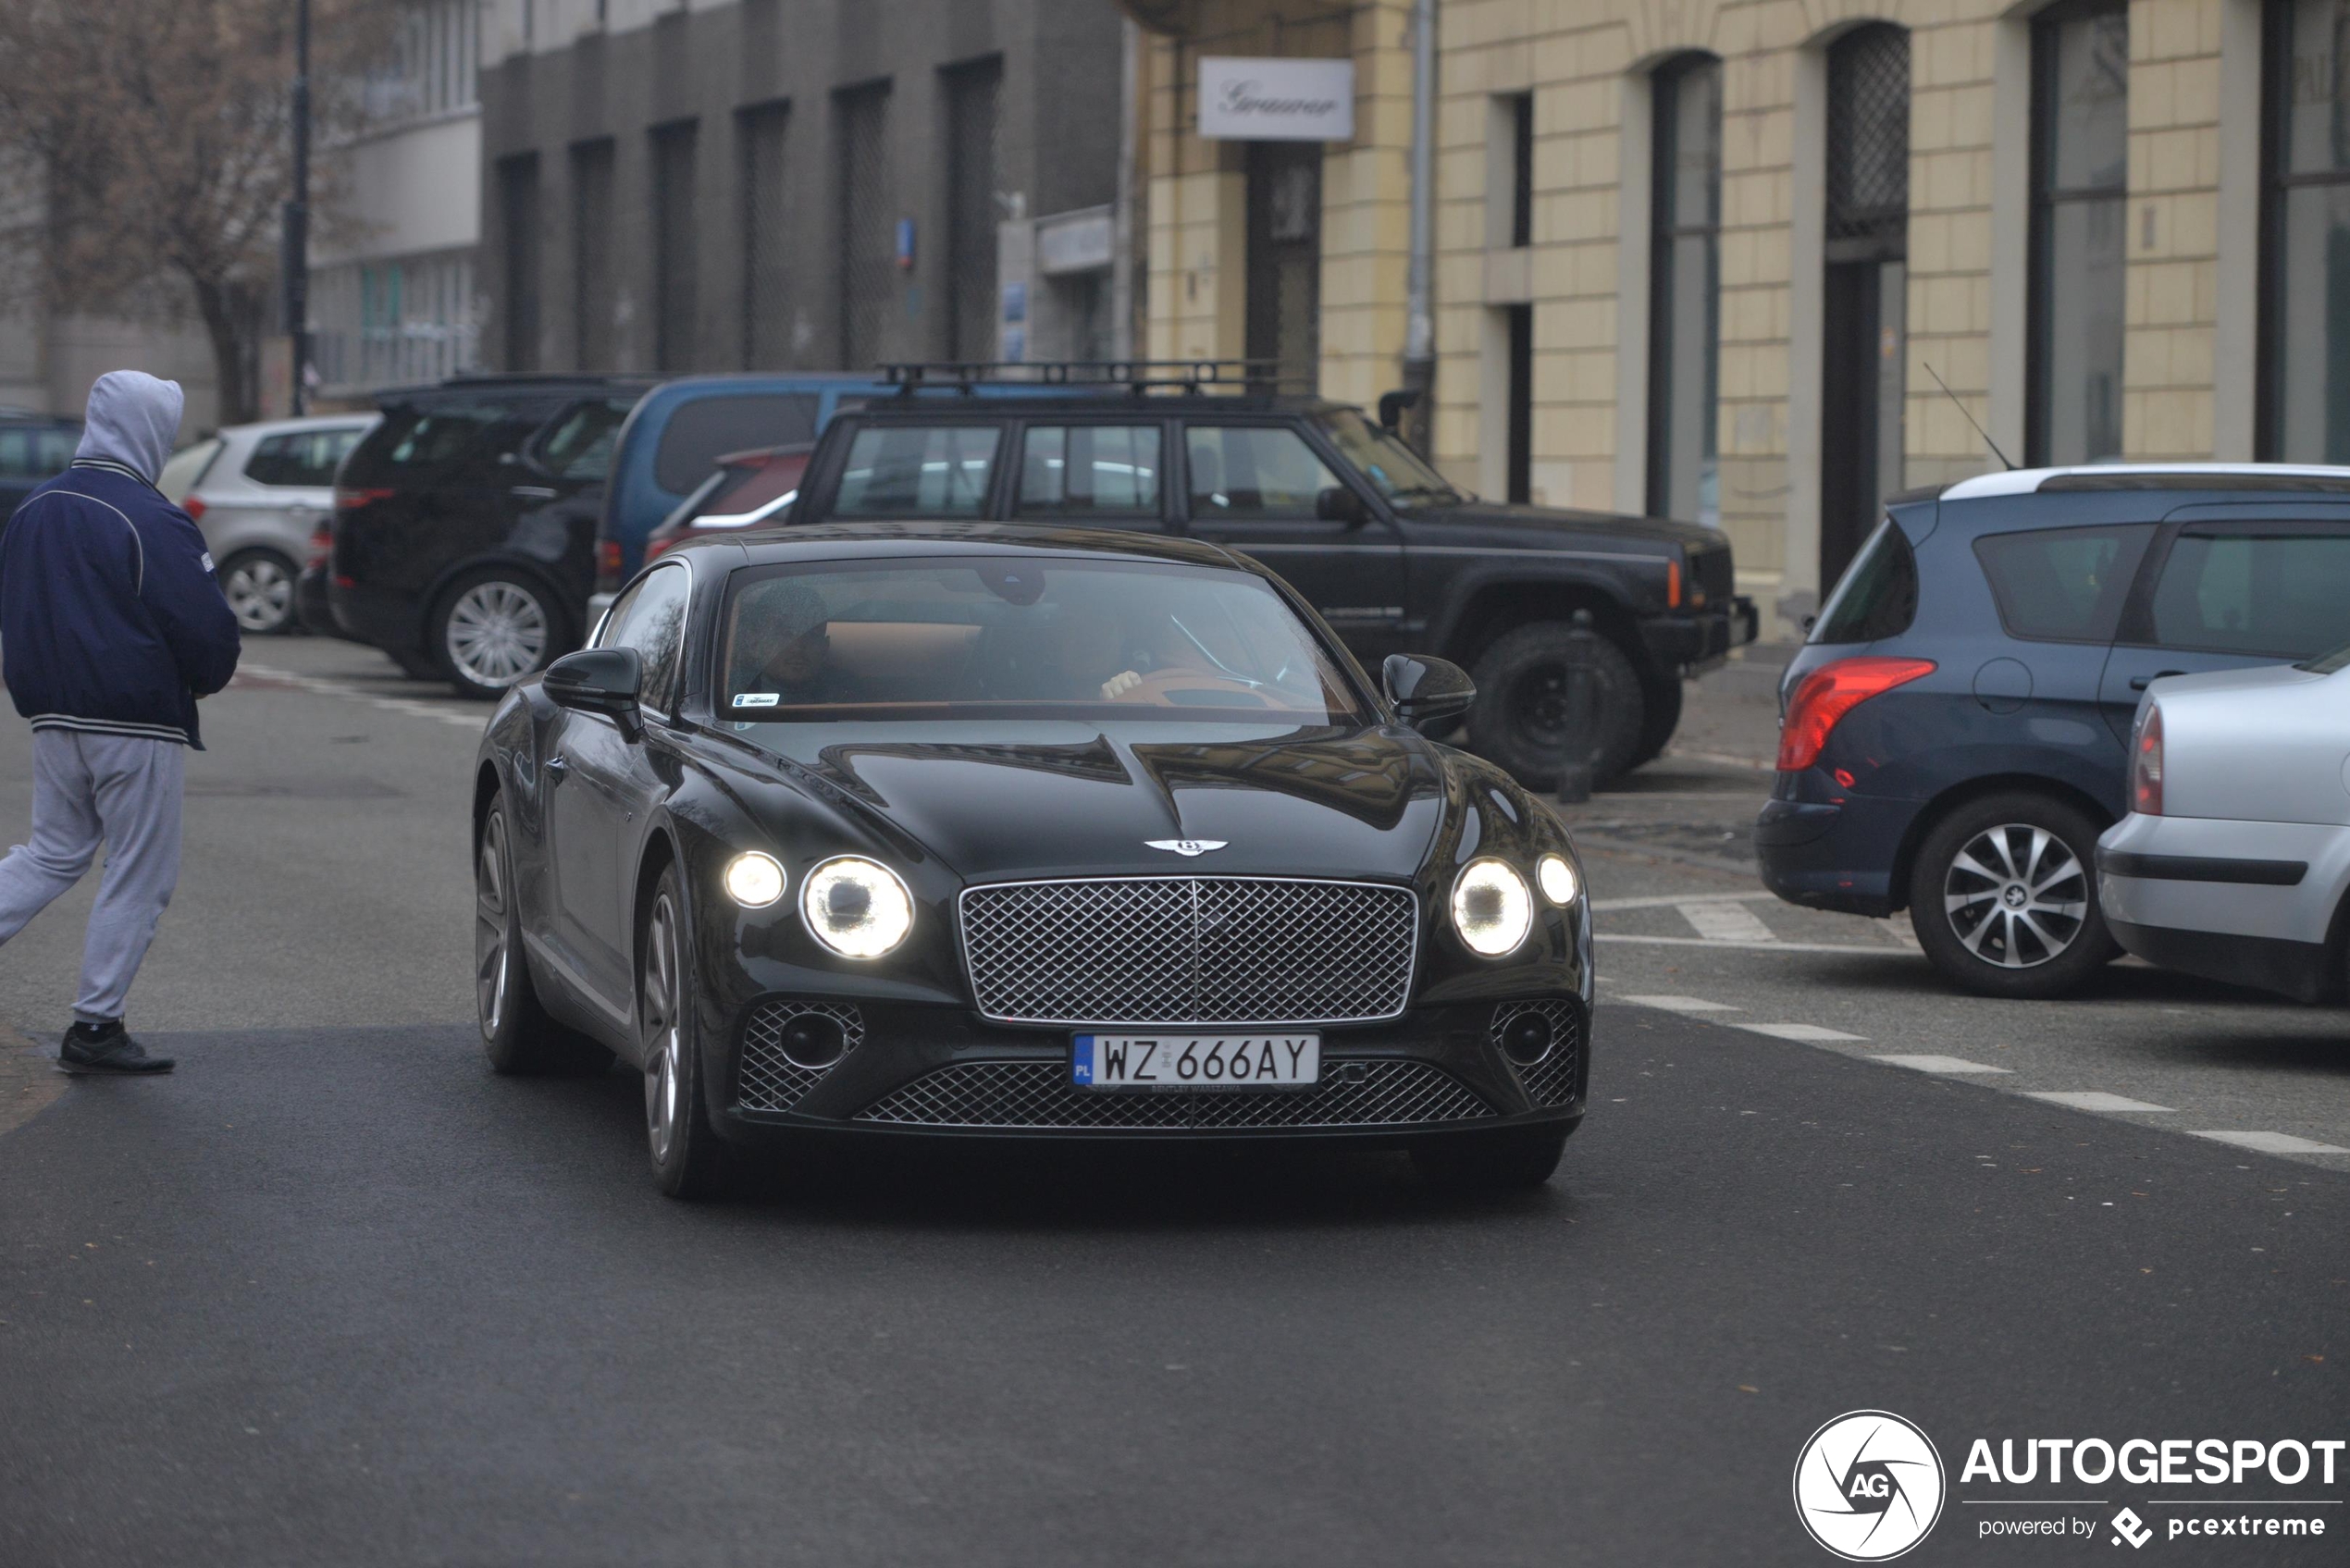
(1164,950)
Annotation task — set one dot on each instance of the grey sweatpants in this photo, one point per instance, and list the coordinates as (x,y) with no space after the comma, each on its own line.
(122,791)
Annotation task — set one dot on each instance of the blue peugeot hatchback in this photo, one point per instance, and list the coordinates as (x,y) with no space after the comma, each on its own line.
(1953,735)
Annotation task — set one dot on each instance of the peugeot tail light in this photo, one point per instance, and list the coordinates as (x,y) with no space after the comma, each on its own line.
(1823,698)
(2145,763)
(351,501)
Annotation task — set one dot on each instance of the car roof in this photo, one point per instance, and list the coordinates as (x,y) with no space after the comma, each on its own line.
(853,541)
(473,386)
(2219,479)
(308,422)
(931,402)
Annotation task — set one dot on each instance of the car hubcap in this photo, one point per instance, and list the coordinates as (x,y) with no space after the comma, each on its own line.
(260,592)
(2016,896)
(489,927)
(663,1005)
(497,634)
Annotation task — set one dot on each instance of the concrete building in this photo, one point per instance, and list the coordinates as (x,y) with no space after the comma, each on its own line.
(393,290)
(1708,258)
(748,184)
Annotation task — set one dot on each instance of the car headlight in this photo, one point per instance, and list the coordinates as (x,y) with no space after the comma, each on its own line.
(857,908)
(1493,907)
(1557,878)
(754,878)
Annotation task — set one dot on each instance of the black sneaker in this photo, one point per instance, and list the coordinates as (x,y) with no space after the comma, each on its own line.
(106,1048)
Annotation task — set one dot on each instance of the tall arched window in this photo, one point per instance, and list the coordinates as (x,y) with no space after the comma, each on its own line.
(2080,194)
(2305,296)
(1685,290)
(1863,302)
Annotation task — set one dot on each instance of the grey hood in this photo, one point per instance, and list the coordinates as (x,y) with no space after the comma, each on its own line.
(133,420)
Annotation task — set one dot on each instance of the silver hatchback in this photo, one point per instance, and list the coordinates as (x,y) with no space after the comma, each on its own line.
(259,495)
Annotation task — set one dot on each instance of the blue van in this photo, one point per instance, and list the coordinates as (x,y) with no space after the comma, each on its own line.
(1954,733)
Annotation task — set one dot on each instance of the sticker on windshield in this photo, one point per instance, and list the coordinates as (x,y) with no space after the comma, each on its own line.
(757,698)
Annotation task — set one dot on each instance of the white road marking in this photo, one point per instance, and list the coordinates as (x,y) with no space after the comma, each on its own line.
(1938,1063)
(2273,1142)
(1810,1033)
(2093,1100)
(1726,922)
(1676,900)
(1752,947)
(1681,1004)
(409,706)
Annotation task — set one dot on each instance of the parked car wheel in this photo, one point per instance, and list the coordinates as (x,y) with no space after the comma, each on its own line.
(259,585)
(688,1160)
(516,1033)
(2003,896)
(1492,1162)
(1520,718)
(493,628)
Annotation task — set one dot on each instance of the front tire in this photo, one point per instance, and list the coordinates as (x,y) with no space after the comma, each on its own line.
(517,1034)
(688,1160)
(1520,719)
(1514,1161)
(259,585)
(493,628)
(2003,896)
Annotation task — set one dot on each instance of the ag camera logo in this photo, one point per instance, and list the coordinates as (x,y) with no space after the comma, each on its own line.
(1869,1485)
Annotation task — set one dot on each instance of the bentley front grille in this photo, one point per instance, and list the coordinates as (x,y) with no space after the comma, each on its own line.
(769,1080)
(1165,950)
(1550,1081)
(1039,1095)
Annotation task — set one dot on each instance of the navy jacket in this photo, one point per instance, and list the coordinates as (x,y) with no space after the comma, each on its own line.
(111,621)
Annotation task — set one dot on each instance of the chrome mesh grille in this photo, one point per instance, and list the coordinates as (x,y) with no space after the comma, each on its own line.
(1039,1095)
(769,1081)
(1550,1081)
(1161,950)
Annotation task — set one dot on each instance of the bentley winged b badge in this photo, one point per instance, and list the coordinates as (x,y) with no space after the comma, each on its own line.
(1186,847)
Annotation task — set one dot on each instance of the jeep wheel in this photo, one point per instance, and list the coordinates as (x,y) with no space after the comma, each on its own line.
(1520,719)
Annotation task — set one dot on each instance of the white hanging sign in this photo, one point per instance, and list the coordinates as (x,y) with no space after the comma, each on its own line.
(1267,100)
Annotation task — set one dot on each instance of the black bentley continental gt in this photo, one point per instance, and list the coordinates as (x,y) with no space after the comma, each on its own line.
(977,830)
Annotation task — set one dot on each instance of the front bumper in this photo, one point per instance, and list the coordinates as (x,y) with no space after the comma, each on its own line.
(1694,643)
(937,1071)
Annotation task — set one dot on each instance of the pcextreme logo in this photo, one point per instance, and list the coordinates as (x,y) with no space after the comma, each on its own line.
(1869,1485)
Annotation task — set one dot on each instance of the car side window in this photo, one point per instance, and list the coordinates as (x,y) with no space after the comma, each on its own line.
(303,458)
(16,452)
(1254,473)
(2063,585)
(578,445)
(916,471)
(2281,591)
(652,621)
(703,430)
(608,630)
(1093,471)
(1877,595)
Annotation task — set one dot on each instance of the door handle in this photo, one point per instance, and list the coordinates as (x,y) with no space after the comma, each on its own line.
(2140,683)
(533,492)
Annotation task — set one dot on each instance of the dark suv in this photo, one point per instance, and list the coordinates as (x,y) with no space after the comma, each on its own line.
(1953,736)
(1393,556)
(35,449)
(464,530)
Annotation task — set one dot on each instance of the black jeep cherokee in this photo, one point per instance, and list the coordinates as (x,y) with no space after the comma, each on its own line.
(1395,558)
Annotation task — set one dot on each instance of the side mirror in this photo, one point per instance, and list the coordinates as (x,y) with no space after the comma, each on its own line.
(1339,504)
(1392,404)
(599,680)
(1422,689)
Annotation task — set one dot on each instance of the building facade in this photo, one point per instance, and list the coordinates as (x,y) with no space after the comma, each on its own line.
(393,287)
(825,184)
(1720,259)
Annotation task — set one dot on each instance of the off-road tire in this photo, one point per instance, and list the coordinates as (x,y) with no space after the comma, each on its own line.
(1517,717)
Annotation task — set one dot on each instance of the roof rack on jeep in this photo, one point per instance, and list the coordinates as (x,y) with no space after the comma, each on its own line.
(1136,375)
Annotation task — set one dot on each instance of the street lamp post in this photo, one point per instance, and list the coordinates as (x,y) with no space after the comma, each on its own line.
(295,262)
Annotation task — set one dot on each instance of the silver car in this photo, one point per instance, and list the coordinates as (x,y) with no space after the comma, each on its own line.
(259,493)
(2234,860)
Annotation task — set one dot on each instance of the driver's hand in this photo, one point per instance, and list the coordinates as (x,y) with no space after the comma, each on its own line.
(1121,684)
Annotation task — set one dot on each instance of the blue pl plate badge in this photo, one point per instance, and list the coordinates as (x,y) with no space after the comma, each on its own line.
(1081,1069)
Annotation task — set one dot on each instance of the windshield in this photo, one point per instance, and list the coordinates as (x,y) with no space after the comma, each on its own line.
(1382,458)
(1024,638)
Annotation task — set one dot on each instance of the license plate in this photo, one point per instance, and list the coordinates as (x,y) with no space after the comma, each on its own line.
(1194,1061)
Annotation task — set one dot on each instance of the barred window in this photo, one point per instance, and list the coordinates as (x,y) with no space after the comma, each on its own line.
(864,217)
(766,206)
(2304,298)
(676,301)
(972,127)
(1684,291)
(592,238)
(2080,196)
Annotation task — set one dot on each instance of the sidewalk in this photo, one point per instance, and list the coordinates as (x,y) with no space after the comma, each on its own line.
(1732,715)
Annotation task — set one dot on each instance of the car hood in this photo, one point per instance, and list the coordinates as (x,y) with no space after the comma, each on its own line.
(1068,800)
(1575,529)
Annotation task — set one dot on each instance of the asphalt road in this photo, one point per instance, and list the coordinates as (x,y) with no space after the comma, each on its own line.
(334,1295)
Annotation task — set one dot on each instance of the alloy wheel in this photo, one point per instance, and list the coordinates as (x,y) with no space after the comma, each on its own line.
(664,1006)
(497,634)
(492,954)
(2016,896)
(260,592)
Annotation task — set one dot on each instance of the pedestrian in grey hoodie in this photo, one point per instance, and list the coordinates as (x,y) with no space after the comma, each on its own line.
(111,625)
